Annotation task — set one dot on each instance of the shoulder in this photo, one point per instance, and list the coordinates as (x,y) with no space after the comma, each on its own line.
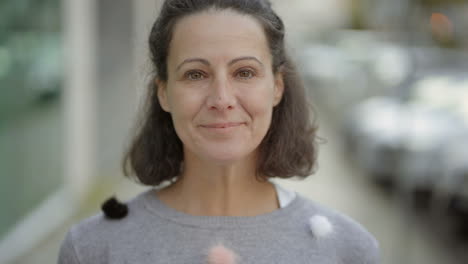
(83,241)
(89,240)
(346,237)
(106,223)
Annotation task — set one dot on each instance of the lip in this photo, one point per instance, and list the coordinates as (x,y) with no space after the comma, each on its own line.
(222,125)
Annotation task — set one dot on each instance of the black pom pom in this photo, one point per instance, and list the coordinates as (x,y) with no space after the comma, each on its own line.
(114,209)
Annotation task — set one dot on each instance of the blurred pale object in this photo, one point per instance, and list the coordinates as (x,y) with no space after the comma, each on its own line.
(392,64)
(445,92)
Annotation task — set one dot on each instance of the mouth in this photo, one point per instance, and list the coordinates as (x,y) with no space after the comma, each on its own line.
(222,125)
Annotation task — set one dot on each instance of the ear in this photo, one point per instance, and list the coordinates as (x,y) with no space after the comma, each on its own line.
(162,95)
(279,88)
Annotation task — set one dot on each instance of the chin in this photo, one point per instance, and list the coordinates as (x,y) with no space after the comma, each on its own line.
(226,156)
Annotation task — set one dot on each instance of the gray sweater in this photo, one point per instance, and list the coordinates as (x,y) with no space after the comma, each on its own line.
(301,232)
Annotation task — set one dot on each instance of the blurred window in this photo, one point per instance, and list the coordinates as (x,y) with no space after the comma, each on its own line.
(31,129)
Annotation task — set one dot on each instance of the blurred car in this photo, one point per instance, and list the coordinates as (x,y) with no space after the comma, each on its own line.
(31,69)
(373,136)
(416,144)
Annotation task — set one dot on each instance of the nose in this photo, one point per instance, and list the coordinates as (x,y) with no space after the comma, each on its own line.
(221,95)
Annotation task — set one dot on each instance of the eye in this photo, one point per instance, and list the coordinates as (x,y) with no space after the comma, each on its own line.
(194,75)
(245,74)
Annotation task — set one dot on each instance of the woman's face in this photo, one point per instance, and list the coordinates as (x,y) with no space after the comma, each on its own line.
(221,89)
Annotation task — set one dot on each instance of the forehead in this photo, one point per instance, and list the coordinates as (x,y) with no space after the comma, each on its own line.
(218,35)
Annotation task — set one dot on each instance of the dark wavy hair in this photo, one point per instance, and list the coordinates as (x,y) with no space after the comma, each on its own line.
(289,148)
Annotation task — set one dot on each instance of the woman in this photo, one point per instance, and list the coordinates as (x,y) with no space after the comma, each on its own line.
(226,112)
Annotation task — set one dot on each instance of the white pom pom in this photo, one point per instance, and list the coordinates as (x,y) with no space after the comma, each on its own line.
(320,226)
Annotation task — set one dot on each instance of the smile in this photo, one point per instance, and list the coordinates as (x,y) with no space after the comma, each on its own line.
(222,125)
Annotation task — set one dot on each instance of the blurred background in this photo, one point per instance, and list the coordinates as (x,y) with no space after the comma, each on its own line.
(388,80)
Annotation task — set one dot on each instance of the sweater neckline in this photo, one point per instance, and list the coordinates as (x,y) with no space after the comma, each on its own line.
(277,217)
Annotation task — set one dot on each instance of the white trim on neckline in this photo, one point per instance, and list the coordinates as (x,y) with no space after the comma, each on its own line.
(284,196)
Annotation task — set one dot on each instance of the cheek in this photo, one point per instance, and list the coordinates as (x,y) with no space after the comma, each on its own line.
(184,105)
(184,109)
(259,106)
(260,98)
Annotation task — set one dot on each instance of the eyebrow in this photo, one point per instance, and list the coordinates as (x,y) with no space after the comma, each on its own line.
(207,63)
(203,61)
(245,58)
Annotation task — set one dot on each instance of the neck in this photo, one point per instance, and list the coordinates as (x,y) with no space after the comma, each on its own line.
(211,189)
